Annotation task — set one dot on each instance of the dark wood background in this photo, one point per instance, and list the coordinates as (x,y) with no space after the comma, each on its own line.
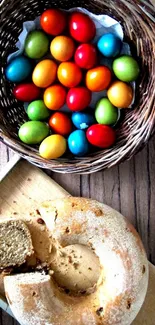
(129,188)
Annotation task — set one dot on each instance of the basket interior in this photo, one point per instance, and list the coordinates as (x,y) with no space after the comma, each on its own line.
(134,129)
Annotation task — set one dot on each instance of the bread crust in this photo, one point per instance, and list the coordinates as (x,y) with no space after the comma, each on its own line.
(122,286)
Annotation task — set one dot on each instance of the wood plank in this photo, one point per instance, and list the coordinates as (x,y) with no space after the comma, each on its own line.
(127,191)
(106,187)
(25,184)
(3,155)
(10,153)
(71,183)
(8,320)
(147,313)
(153,2)
(151,208)
(142,184)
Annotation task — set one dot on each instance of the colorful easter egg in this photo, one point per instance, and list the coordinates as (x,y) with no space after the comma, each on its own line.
(53,21)
(82,120)
(126,68)
(55,97)
(62,48)
(77,143)
(81,27)
(26,92)
(98,79)
(86,56)
(120,94)
(78,98)
(33,132)
(37,111)
(36,44)
(109,45)
(102,136)
(45,73)
(69,74)
(105,112)
(53,147)
(18,69)
(60,123)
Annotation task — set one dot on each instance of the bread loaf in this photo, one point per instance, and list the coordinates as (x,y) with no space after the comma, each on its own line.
(98,269)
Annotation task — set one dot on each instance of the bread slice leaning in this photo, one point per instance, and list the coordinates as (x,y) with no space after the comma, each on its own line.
(15,243)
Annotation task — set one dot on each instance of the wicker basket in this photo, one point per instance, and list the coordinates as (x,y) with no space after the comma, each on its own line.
(137,125)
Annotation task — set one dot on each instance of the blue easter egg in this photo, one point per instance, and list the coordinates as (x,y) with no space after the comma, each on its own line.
(77,143)
(82,120)
(18,69)
(109,45)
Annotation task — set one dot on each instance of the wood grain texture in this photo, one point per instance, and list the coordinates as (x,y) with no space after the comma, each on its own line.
(24,187)
(153,2)
(129,188)
(147,312)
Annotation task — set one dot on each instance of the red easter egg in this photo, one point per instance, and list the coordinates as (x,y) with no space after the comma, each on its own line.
(81,27)
(60,123)
(101,136)
(86,56)
(26,92)
(78,98)
(53,21)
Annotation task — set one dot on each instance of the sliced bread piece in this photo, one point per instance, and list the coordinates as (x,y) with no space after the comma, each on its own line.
(15,243)
(31,298)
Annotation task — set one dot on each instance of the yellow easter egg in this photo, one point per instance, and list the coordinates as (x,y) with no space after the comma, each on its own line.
(62,48)
(44,74)
(120,94)
(53,147)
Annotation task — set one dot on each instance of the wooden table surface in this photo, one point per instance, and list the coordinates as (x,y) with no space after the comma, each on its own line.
(129,188)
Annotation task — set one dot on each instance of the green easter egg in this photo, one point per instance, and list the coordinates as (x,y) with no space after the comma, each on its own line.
(37,111)
(105,112)
(36,44)
(33,132)
(126,68)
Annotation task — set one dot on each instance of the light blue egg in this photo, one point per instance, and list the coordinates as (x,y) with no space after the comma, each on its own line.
(18,69)
(77,143)
(82,120)
(109,45)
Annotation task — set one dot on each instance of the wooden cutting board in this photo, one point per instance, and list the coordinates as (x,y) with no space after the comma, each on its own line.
(22,185)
